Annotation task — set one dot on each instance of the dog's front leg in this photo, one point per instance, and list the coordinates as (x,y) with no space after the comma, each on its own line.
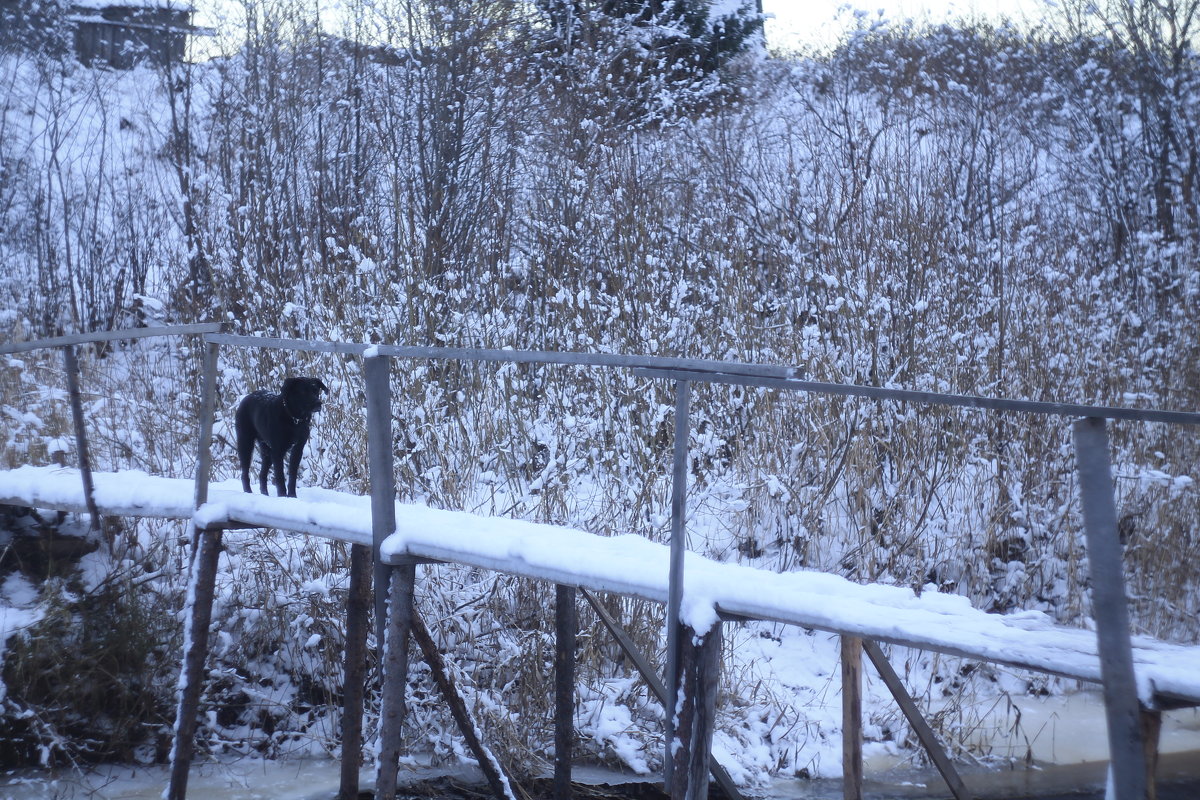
(294,460)
(280,488)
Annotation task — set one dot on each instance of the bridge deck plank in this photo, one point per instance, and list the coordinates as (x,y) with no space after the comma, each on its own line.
(632,565)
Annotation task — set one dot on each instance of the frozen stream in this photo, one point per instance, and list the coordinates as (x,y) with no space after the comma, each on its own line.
(1065,735)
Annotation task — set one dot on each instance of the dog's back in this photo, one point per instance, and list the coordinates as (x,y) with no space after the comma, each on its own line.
(249,414)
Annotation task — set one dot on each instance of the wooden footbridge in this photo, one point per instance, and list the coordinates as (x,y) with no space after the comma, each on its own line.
(1140,677)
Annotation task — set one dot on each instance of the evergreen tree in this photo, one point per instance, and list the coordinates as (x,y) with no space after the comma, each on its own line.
(646,60)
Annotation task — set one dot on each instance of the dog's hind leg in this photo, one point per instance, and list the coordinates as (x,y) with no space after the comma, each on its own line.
(245,449)
(245,456)
(267,458)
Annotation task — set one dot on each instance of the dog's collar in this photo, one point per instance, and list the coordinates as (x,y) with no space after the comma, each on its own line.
(295,420)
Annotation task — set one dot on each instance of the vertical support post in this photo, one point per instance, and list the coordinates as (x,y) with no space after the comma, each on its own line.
(71,366)
(566,627)
(695,712)
(654,681)
(208,407)
(1127,758)
(675,632)
(852,736)
(400,614)
(358,611)
(198,617)
(377,372)
(1151,732)
(202,580)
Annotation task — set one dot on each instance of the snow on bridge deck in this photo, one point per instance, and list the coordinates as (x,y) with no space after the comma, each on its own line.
(633,565)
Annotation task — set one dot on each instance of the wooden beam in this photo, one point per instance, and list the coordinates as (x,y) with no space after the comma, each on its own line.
(202,580)
(499,781)
(1151,722)
(676,633)
(377,374)
(913,714)
(208,407)
(852,735)
(354,673)
(198,617)
(1078,662)
(566,627)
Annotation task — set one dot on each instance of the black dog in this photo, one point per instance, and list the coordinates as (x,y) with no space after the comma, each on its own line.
(279,423)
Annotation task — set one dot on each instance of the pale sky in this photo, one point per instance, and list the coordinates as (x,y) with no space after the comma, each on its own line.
(793,21)
(813,21)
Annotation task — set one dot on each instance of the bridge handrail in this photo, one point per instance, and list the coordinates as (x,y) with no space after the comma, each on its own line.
(710,371)
(503,355)
(699,370)
(8,348)
(1047,408)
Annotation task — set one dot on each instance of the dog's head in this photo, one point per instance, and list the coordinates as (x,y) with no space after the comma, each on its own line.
(302,396)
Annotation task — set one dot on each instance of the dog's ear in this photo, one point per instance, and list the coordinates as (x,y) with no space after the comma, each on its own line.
(320,384)
(289,385)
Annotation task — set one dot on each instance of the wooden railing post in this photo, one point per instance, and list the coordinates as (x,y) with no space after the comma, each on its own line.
(695,710)
(1127,757)
(377,372)
(71,367)
(392,624)
(852,735)
(566,626)
(208,406)
(675,632)
(399,616)
(358,612)
(654,680)
(197,618)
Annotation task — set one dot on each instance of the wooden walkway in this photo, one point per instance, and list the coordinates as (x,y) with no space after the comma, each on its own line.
(633,566)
